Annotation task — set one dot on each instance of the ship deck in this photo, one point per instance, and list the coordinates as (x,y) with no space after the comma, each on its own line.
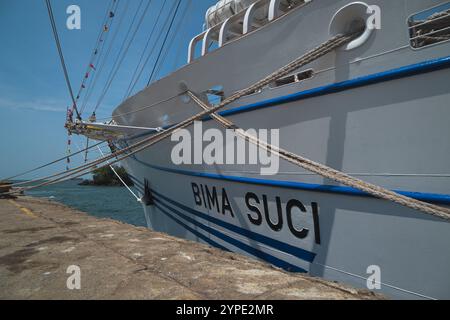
(40,240)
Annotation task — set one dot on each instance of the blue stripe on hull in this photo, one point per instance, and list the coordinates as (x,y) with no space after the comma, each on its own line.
(281,246)
(427,197)
(193,231)
(407,71)
(249,249)
(394,74)
(399,73)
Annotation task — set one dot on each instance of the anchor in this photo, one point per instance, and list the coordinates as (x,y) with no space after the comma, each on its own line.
(147,199)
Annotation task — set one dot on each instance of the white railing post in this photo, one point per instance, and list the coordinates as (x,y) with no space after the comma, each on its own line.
(248,19)
(191,51)
(192,45)
(223,34)
(274,9)
(206,41)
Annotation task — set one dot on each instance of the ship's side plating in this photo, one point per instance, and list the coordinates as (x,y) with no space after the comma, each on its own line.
(379,112)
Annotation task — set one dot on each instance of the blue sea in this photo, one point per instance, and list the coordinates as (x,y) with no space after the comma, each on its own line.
(102,202)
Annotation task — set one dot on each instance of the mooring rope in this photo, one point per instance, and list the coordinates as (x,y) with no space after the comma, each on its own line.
(323,49)
(305,59)
(328,172)
(45,165)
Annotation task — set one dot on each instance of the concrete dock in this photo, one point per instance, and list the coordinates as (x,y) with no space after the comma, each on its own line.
(40,240)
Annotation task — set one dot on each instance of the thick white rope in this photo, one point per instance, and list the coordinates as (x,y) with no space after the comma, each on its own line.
(327,172)
(323,49)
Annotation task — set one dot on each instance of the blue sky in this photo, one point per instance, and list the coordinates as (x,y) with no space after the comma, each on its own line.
(33,94)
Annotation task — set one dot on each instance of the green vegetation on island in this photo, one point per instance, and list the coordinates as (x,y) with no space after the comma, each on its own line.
(107,178)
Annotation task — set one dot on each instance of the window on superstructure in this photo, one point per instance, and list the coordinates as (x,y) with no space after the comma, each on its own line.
(215,95)
(295,78)
(430,27)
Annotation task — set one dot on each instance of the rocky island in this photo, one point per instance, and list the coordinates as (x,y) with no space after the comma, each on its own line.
(106,177)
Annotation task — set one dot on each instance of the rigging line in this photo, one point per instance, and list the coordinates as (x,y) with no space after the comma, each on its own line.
(143,108)
(99,37)
(51,163)
(320,51)
(325,171)
(106,23)
(145,49)
(83,85)
(180,47)
(129,30)
(103,63)
(97,46)
(308,57)
(87,78)
(102,59)
(153,48)
(61,56)
(87,150)
(100,33)
(115,172)
(172,39)
(119,177)
(116,60)
(164,42)
(108,85)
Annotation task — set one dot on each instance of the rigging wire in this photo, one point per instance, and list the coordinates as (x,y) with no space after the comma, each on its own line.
(91,67)
(153,49)
(113,117)
(115,172)
(70,88)
(69,149)
(50,163)
(61,55)
(320,51)
(320,169)
(180,48)
(87,150)
(119,177)
(66,73)
(103,62)
(116,60)
(99,45)
(325,48)
(122,56)
(173,37)
(127,93)
(164,42)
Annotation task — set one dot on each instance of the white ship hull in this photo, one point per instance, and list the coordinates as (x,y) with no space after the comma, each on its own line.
(379,112)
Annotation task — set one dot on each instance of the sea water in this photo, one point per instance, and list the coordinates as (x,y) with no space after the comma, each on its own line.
(102,202)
